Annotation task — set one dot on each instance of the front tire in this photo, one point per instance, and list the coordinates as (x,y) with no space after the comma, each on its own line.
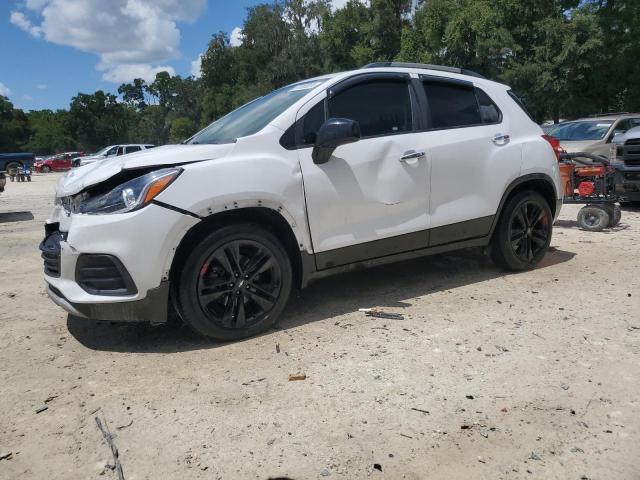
(45,169)
(523,233)
(235,283)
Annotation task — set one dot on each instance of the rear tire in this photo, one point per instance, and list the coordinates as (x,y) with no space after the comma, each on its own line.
(12,168)
(593,219)
(234,283)
(523,233)
(615,215)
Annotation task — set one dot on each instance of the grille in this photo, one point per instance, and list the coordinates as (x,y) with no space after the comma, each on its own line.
(100,274)
(631,152)
(50,248)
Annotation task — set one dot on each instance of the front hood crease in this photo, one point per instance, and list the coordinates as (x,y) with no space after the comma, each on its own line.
(80,178)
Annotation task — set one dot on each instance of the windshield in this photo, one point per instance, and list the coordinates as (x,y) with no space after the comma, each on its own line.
(101,152)
(583,130)
(253,116)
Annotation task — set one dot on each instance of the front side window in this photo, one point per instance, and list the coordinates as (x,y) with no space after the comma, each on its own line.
(112,151)
(311,123)
(381,107)
(451,104)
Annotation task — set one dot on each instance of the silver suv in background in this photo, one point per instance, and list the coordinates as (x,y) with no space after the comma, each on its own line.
(594,134)
(110,151)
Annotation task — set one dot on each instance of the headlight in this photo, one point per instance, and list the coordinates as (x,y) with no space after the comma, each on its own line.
(130,195)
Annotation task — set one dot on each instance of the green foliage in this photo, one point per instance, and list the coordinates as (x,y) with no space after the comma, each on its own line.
(566,58)
(14,127)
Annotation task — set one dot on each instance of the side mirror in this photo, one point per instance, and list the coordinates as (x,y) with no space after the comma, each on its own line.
(618,137)
(333,133)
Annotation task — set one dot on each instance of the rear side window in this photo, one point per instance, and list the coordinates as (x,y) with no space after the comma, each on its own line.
(451,104)
(134,148)
(489,112)
(381,107)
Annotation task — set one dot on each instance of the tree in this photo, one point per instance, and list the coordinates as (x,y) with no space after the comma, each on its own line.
(50,132)
(181,129)
(14,127)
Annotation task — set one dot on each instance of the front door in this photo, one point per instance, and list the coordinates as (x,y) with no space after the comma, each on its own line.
(371,199)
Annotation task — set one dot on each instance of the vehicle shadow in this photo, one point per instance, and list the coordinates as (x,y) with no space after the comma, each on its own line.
(574,224)
(7,217)
(391,286)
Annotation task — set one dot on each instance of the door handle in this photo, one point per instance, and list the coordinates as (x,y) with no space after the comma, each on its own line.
(500,139)
(410,155)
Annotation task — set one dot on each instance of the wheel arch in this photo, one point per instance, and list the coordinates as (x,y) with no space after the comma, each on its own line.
(265,217)
(538,182)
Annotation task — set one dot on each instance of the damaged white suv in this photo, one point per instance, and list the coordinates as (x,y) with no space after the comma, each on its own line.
(389,162)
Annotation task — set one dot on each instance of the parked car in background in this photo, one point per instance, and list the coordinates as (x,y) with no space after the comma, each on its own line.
(57,163)
(594,134)
(389,162)
(627,164)
(110,151)
(10,163)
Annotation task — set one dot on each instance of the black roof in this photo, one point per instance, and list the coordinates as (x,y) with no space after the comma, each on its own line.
(442,68)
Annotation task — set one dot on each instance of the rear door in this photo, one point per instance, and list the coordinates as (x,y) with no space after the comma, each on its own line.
(471,153)
(366,201)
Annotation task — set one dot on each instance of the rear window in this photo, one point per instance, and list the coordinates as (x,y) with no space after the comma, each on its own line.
(451,104)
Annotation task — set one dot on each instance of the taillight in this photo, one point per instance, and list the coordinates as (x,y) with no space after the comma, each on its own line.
(555,145)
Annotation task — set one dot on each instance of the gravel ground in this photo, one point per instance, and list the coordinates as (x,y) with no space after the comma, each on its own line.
(531,375)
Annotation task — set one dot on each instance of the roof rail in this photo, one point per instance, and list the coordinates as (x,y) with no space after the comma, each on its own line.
(426,66)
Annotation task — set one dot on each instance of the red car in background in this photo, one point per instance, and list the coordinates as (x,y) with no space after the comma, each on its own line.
(56,163)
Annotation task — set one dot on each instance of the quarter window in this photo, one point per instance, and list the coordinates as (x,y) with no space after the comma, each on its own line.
(381,107)
(489,112)
(452,104)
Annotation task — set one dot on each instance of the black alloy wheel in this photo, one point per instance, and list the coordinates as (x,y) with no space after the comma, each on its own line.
(523,234)
(234,283)
(529,230)
(239,284)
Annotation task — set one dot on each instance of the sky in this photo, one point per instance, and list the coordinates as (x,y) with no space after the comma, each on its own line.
(53,49)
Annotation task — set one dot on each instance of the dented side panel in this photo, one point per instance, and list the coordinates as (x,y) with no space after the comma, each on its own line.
(365,192)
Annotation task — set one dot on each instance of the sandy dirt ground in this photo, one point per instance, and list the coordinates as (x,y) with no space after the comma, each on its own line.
(489,376)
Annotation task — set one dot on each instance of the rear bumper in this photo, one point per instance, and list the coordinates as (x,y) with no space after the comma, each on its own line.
(151,309)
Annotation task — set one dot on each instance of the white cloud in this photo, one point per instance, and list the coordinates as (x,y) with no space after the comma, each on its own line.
(236,38)
(42,86)
(129,36)
(127,72)
(21,21)
(4,90)
(196,67)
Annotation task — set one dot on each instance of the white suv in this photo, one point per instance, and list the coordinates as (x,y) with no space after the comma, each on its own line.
(389,162)
(110,151)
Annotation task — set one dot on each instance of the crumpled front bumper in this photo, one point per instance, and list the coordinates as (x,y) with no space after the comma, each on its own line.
(143,242)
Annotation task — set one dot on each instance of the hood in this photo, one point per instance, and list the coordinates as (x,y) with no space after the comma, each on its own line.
(577,146)
(631,134)
(76,180)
